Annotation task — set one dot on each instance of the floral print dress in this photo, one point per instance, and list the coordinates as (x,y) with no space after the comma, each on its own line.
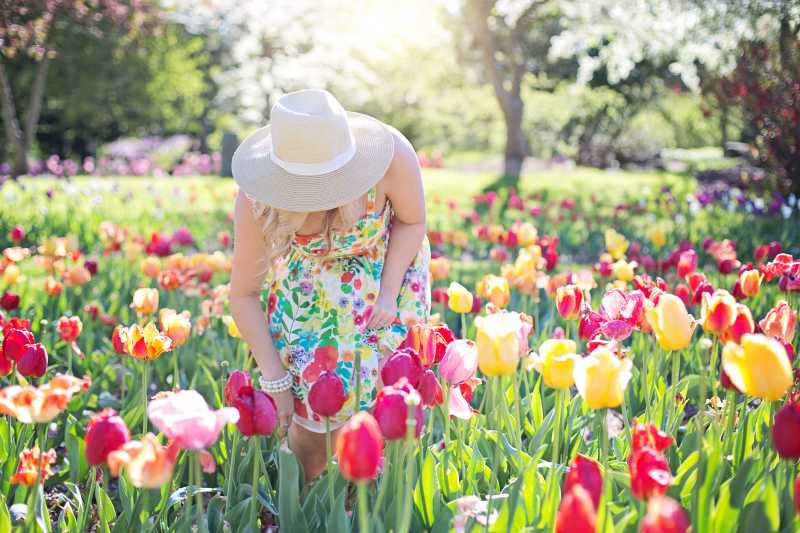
(318,308)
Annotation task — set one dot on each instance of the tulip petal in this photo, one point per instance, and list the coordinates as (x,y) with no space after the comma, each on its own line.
(458,406)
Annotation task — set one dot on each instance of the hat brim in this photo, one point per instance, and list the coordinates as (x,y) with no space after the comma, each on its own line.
(265,181)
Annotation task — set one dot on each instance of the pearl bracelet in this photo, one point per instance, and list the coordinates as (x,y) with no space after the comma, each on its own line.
(278,385)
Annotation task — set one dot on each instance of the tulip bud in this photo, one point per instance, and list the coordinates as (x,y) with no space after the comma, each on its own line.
(9,301)
(403,363)
(106,433)
(786,430)
(326,395)
(117,340)
(742,323)
(391,411)
(32,363)
(586,473)
(555,362)
(718,311)
(236,381)
(15,342)
(460,361)
(672,325)
(359,448)
(664,515)
(758,367)
(649,472)
(687,263)
(257,412)
(430,390)
(569,301)
(459,298)
(750,282)
(601,378)
(576,513)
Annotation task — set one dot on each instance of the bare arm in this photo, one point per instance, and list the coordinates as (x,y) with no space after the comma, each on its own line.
(403,186)
(247,279)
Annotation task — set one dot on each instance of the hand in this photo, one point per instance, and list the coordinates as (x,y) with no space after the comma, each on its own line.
(284,404)
(384,311)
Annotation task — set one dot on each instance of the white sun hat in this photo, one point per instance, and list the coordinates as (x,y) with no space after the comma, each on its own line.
(313,155)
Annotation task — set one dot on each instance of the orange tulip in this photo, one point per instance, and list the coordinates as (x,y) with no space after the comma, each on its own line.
(145,301)
(718,311)
(31,462)
(495,289)
(145,343)
(175,325)
(151,267)
(780,322)
(69,328)
(147,463)
(41,404)
(742,323)
(569,301)
(77,276)
(52,286)
(750,282)
(440,268)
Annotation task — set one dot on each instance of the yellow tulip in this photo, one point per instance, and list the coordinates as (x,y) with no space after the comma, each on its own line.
(555,362)
(11,274)
(145,301)
(459,299)
(616,244)
(657,235)
(671,323)
(498,343)
(176,326)
(233,329)
(758,367)
(526,233)
(601,378)
(623,270)
(495,289)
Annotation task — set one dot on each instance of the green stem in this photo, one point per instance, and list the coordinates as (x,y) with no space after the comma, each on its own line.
(446,412)
(701,401)
(145,377)
(329,455)
(41,442)
(176,373)
(255,446)
(604,461)
(88,504)
(645,385)
(463,325)
(408,451)
(231,470)
(363,519)
(358,379)
(518,407)
(556,452)
(198,496)
(730,407)
(676,368)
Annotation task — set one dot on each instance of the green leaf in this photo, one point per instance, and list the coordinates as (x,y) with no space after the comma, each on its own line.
(425,490)
(289,479)
(105,508)
(337,521)
(5,516)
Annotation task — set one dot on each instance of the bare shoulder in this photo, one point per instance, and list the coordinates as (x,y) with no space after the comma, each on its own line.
(405,164)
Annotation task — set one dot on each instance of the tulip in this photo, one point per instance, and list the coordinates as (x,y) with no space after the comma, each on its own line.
(586,473)
(52,286)
(145,301)
(616,244)
(687,263)
(460,362)
(326,395)
(683,292)
(69,328)
(186,418)
(797,494)
(429,341)
(175,325)
(495,289)
(649,472)
(17,233)
(15,342)
(648,435)
(391,410)
(236,381)
(742,323)
(118,339)
(77,276)
(403,363)
(750,282)
(623,270)
(106,433)
(569,301)
(601,378)
(6,364)
(359,448)
(39,405)
(257,413)
(758,367)
(11,274)
(233,329)
(439,268)
(671,323)
(664,515)
(9,301)
(555,362)
(32,362)
(147,463)
(430,390)
(786,430)
(151,267)
(145,343)
(780,322)
(459,299)
(718,311)
(33,466)
(576,513)
(498,342)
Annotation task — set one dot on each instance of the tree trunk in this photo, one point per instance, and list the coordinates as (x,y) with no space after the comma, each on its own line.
(515,141)
(723,126)
(13,131)
(35,103)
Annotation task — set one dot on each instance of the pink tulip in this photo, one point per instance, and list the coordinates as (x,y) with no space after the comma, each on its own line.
(186,418)
(460,361)
(458,405)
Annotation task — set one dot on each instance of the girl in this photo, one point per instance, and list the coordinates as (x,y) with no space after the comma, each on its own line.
(331,214)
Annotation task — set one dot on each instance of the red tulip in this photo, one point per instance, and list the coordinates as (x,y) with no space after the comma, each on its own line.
(429,341)
(742,323)
(403,363)
(648,435)
(6,364)
(236,381)
(106,433)
(586,473)
(15,341)
(17,233)
(682,292)
(786,430)
(9,301)
(359,448)
(797,494)
(257,412)
(687,263)
(576,513)
(430,389)
(664,515)
(32,363)
(69,328)
(117,342)
(649,473)
(569,301)
(391,410)
(326,395)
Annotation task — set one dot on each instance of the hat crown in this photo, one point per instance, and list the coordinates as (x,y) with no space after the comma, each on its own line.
(310,132)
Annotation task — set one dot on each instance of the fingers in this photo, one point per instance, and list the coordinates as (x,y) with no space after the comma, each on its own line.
(284,421)
(379,318)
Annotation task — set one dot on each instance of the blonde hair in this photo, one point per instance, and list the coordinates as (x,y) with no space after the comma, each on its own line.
(279,227)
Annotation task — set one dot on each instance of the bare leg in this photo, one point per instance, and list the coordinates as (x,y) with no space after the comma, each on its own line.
(309,447)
